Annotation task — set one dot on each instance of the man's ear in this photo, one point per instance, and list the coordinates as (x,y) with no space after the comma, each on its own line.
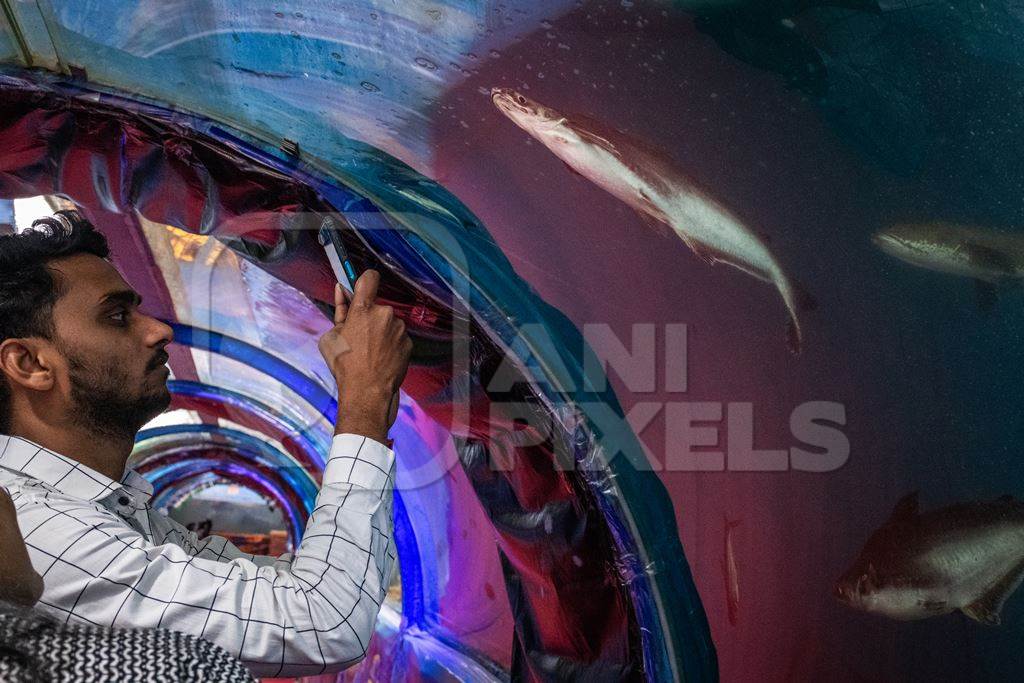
(25,362)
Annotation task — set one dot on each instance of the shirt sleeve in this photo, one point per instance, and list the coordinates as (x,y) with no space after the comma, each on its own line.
(311,616)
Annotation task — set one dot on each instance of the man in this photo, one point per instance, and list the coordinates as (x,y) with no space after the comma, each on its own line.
(35,648)
(82,370)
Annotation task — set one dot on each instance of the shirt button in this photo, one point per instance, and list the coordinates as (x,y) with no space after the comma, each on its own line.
(123,500)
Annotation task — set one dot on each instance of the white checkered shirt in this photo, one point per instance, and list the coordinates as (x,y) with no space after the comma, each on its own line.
(109,559)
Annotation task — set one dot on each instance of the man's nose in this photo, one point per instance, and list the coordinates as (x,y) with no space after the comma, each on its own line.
(160,333)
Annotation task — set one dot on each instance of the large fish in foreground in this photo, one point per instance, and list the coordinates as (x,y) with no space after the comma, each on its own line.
(654,186)
(989,257)
(967,557)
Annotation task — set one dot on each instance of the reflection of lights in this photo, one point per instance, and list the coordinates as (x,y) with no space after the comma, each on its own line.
(269,364)
(308,441)
(30,209)
(154,443)
(185,245)
(173,417)
(196,469)
(408,564)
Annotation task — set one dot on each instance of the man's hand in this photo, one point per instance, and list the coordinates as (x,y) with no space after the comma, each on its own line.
(368,352)
(19,582)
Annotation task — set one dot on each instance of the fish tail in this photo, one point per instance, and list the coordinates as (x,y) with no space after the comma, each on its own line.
(796,299)
(794,337)
(794,333)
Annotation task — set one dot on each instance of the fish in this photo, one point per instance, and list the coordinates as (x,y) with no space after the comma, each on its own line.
(990,257)
(729,570)
(653,185)
(967,557)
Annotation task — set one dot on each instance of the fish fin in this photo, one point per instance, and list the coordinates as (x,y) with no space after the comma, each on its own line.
(986,609)
(650,208)
(597,140)
(574,171)
(933,605)
(989,258)
(749,270)
(655,221)
(745,268)
(805,301)
(696,248)
(906,508)
(982,613)
(987,296)
(794,340)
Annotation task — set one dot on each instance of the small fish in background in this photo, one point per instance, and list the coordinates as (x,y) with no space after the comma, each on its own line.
(657,189)
(729,571)
(989,257)
(967,557)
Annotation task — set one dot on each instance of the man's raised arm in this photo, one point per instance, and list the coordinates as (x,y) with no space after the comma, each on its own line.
(313,615)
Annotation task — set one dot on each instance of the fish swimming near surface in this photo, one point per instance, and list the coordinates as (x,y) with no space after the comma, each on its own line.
(655,187)
(991,258)
(967,557)
(730,571)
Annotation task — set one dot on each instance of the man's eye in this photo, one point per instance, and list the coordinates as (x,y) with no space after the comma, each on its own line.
(121,317)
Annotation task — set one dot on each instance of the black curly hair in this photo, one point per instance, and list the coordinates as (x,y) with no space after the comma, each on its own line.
(28,289)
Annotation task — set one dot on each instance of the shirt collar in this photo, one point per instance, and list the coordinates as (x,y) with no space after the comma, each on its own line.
(64,474)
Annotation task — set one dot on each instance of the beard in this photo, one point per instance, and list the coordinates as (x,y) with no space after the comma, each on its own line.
(102,400)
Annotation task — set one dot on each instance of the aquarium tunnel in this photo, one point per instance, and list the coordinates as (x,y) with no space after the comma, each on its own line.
(619,458)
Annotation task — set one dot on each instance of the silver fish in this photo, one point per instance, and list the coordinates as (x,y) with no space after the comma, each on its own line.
(967,557)
(987,256)
(654,186)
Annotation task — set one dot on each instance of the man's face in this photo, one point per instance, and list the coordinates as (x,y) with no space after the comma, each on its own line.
(114,371)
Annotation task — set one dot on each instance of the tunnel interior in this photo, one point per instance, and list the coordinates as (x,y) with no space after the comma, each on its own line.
(521,554)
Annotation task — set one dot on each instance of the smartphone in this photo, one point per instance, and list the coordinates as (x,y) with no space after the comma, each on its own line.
(329,236)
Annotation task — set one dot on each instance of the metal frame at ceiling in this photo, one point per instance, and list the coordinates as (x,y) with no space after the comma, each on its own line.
(28,25)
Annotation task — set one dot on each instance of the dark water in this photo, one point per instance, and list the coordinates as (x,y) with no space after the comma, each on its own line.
(841,123)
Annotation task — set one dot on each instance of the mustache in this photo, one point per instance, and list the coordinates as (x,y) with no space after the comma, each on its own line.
(160,359)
